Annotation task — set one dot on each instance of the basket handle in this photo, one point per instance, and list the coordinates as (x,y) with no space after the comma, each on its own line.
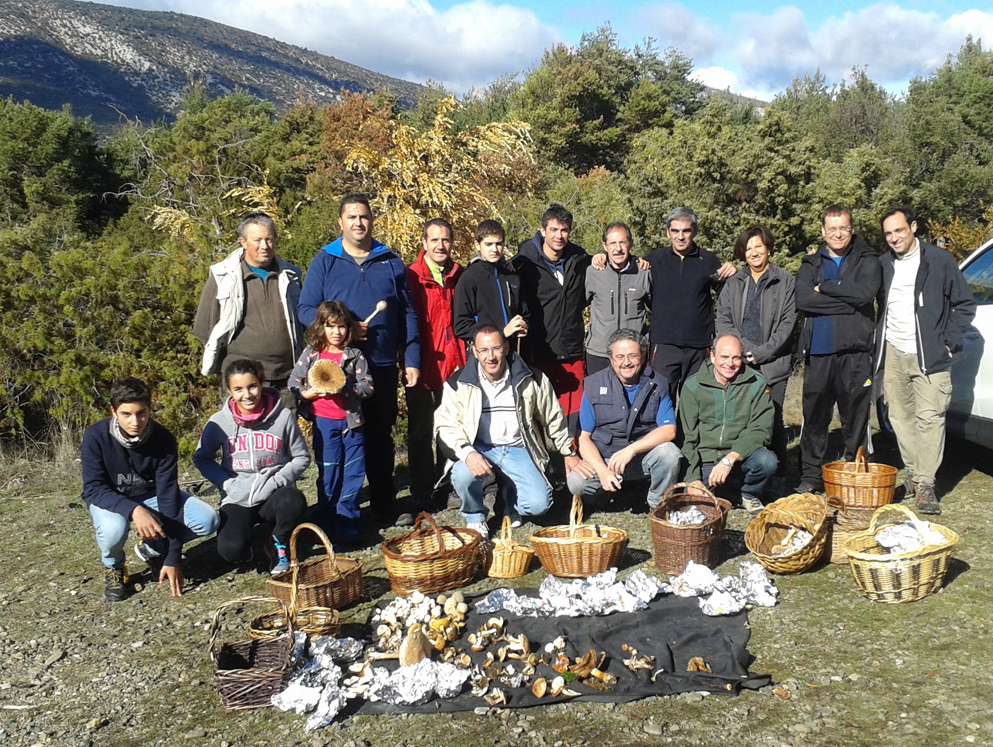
(575,514)
(425,516)
(861,460)
(909,516)
(693,489)
(328,549)
(215,625)
(506,530)
(836,503)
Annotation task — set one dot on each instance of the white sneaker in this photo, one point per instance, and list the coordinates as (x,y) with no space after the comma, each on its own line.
(515,519)
(479,526)
(752,505)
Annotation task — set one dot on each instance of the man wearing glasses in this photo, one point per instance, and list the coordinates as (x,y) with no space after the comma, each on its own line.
(627,425)
(836,288)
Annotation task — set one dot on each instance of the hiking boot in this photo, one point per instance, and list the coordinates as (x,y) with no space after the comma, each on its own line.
(909,486)
(927,501)
(753,506)
(114,588)
(809,486)
(479,526)
(151,555)
(279,562)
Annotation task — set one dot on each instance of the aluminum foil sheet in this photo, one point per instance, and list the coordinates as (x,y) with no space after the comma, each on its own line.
(315,688)
(902,538)
(761,591)
(722,603)
(601,594)
(686,517)
(332,701)
(449,679)
(728,595)
(695,581)
(341,650)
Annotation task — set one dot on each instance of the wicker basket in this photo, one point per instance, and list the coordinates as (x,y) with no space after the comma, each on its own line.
(248,673)
(898,577)
(578,550)
(843,524)
(313,621)
(431,559)
(330,582)
(777,520)
(677,544)
(859,484)
(510,559)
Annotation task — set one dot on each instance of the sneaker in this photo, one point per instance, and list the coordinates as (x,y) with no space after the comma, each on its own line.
(279,560)
(454,501)
(515,519)
(151,556)
(809,486)
(404,519)
(753,506)
(909,486)
(114,589)
(927,501)
(479,526)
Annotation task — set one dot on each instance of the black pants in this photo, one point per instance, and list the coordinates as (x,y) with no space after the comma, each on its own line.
(844,379)
(676,364)
(595,364)
(284,509)
(778,393)
(425,469)
(380,412)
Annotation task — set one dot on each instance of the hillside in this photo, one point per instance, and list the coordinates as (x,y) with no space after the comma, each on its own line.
(108,61)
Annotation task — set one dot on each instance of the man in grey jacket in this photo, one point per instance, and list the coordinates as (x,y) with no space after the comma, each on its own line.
(248,308)
(619,296)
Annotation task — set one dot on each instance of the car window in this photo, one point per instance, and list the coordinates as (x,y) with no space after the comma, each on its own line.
(979,275)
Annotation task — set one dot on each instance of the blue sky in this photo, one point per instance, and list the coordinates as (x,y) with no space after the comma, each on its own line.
(754,48)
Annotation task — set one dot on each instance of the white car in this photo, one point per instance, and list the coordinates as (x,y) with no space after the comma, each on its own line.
(971,412)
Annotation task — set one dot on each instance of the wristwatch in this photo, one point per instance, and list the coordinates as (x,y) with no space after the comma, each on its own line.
(725,461)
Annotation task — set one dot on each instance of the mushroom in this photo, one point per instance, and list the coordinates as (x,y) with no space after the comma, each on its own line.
(558,685)
(415,646)
(540,687)
(635,662)
(495,697)
(561,663)
(697,664)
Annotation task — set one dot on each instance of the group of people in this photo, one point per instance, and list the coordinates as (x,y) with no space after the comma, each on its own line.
(510,392)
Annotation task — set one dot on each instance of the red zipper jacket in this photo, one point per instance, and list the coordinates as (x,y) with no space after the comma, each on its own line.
(441,351)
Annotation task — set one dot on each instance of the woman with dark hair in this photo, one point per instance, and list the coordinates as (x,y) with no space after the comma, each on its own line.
(758,307)
(262,454)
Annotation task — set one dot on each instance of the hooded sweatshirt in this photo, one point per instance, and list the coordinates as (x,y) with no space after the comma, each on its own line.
(487,293)
(256,459)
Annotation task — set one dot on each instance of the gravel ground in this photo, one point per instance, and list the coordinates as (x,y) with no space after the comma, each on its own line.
(75,670)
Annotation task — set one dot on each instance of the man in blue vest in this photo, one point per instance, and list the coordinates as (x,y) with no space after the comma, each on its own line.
(627,425)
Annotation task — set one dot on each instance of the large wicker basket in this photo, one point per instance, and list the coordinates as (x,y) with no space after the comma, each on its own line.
(431,559)
(898,577)
(509,558)
(776,522)
(844,523)
(677,544)
(578,550)
(860,484)
(329,582)
(248,673)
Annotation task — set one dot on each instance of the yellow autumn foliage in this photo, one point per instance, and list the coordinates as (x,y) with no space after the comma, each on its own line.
(961,237)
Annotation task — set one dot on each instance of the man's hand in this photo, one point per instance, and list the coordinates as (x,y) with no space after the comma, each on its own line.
(817,288)
(719,474)
(411,376)
(146,524)
(174,574)
(477,464)
(579,466)
(726,270)
(697,488)
(516,326)
(619,461)
(643,264)
(359,331)
(750,357)
(599,261)
(609,481)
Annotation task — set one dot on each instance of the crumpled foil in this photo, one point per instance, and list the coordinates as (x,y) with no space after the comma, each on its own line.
(449,679)
(414,684)
(801,538)
(342,650)
(686,517)
(902,538)
(761,591)
(695,581)
(727,595)
(601,594)
(315,688)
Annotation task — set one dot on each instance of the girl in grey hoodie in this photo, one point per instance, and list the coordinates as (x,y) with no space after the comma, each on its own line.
(262,454)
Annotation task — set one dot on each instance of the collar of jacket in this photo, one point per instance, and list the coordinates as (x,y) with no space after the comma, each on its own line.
(858,248)
(379,251)
(421,269)
(707,378)
(519,371)
(693,252)
(532,250)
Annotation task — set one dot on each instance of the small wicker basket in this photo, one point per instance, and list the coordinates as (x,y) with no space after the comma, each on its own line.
(510,559)
(431,559)
(578,550)
(248,673)
(677,544)
(329,582)
(313,621)
(843,524)
(777,521)
(898,577)
(860,484)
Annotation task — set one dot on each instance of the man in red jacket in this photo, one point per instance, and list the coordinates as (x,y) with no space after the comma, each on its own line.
(432,278)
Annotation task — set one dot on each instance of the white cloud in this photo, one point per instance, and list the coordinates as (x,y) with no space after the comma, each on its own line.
(674,26)
(467,45)
(894,44)
(727,80)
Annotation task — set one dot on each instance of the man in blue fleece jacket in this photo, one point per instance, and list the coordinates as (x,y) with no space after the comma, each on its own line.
(361,272)
(130,474)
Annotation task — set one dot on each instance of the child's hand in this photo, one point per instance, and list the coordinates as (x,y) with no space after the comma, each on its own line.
(313,393)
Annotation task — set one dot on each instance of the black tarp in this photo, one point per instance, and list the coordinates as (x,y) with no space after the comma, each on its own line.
(672,629)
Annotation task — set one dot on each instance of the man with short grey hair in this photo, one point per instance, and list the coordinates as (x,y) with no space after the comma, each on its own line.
(627,425)
(248,307)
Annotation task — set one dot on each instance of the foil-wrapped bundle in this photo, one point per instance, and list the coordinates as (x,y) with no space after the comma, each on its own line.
(449,679)
(411,685)
(695,581)
(902,538)
(686,517)
(642,586)
(330,705)
(341,650)
(298,697)
(761,591)
(316,688)
(601,594)
(722,603)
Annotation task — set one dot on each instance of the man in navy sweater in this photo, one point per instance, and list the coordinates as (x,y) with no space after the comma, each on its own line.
(130,474)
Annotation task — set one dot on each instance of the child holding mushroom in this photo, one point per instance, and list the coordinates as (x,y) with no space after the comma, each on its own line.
(329,380)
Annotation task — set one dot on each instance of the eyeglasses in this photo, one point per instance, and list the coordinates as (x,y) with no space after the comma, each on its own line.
(841,230)
(487,351)
(633,357)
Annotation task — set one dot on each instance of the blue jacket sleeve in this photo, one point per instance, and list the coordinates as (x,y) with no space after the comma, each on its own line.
(98,488)
(167,494)
(407,337)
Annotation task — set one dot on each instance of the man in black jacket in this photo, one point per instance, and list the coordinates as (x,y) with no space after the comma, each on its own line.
(925,308)
(553,288)
(836,288)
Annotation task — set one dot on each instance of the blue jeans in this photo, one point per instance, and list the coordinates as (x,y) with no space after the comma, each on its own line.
(201,520)
(753,474)
(340,455)
(526,490)
(660,465)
